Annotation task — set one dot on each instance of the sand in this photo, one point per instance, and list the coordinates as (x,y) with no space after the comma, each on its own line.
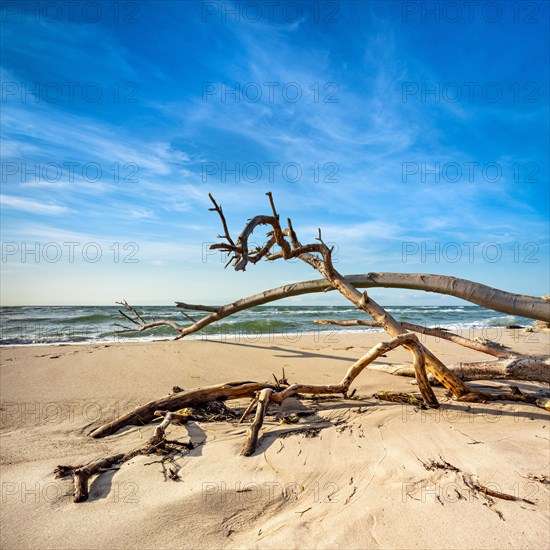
(360,479)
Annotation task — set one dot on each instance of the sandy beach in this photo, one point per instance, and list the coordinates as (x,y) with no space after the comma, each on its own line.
(368,474)
(292,189)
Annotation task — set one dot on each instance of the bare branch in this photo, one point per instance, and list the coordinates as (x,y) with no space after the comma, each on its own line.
(132,310)
(187,316)
(491,348)
(273,209)
(198,307)
(141,324)
(219,210)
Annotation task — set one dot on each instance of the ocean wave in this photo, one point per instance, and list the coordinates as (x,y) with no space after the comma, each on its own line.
(82,324)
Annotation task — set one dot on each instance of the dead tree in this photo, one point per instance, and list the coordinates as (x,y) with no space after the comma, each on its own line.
(319,256)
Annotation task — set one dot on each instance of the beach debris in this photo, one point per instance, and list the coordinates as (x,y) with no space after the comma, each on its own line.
(470,484)
(291,418)
(306,431)
(212,411)
(543,478)
(281,382)
(157,444)
(443,465)
(474,485)
(399,397)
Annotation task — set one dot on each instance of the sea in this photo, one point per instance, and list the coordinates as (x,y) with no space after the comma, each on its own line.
(65,325)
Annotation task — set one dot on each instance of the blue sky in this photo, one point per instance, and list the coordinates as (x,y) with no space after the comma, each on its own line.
(417,141)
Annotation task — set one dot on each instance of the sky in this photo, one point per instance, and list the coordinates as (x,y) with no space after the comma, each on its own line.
(414,134)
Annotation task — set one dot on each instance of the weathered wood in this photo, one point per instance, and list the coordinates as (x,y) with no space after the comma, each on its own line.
(514,394)
(491,348)
(84,473)
(248,409)
(528,368)
(251,440)
(159,436)
(173,402)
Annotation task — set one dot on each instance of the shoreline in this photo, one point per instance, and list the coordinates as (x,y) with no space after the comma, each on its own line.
(249,336)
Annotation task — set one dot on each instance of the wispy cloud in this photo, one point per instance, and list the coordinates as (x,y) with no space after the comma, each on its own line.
(31,206)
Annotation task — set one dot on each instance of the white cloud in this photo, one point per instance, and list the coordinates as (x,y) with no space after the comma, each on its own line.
(32,206)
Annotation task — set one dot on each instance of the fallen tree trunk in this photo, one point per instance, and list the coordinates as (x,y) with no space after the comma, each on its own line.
(527,368)
(535,369)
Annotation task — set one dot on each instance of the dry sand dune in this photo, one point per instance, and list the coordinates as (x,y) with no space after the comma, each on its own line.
(362,474)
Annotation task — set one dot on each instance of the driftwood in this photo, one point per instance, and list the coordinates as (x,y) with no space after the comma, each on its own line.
(532,369)
(157,444)
(510,366)
(254,429)
(179,400)
(491,348)
(319,256)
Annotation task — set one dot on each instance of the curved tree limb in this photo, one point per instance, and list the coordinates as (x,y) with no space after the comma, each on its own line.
(475,293)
